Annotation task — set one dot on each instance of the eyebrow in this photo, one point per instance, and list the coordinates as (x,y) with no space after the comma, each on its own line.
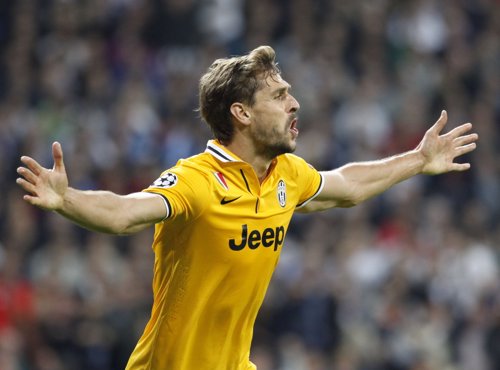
(281,89)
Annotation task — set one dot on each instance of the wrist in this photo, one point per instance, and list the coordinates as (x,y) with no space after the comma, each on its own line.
(418,160)
(65,201)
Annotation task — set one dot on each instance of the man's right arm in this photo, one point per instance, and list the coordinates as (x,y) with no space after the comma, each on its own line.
(102,211)
(108,212)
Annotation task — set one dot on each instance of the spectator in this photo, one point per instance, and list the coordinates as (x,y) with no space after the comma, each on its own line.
(100,76)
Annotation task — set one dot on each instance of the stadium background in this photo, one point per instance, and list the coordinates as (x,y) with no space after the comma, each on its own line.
(407,281)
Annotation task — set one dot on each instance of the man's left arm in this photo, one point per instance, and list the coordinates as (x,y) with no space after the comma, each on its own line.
(356,182)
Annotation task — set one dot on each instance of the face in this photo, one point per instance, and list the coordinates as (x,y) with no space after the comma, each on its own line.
(274,118)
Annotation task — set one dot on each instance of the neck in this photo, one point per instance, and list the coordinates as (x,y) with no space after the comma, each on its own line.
(247,152)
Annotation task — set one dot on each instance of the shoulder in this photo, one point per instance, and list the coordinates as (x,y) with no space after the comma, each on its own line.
(297,171)
(187,186)
(291,162)
(199,165)
(193,172)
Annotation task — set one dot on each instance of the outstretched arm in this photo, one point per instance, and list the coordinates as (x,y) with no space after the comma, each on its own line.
(96,210)
(355,182)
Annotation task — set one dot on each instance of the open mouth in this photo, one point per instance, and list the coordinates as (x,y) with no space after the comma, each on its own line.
(293,127)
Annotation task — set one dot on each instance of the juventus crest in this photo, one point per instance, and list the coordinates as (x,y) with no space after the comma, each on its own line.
(281,193)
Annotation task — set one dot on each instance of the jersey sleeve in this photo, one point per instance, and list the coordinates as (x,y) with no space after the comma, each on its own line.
(310,181)
(184,191)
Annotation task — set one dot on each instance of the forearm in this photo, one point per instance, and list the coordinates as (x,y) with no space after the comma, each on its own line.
(355,182)
(107,212)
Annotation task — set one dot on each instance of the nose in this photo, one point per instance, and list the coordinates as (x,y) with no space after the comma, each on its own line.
(294,104)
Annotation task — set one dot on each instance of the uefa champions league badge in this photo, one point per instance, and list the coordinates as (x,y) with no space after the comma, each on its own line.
(281,193)
(166,181)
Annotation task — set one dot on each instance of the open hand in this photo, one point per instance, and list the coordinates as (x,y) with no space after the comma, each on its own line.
(440,150)
(45,187)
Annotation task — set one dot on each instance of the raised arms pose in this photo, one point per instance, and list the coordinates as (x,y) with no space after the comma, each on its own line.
(221,216)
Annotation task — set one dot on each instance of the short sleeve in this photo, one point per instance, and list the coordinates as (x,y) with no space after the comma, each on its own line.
(184,190)
(309,181)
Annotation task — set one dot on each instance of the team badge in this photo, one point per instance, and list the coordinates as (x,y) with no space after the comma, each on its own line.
(281,193)
(166,181)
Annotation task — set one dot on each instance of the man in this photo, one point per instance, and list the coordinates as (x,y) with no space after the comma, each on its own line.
(221,216)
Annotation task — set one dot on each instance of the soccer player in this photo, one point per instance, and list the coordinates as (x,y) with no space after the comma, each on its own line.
(221,216)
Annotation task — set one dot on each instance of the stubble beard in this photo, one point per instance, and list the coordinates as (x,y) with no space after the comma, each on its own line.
(272,144)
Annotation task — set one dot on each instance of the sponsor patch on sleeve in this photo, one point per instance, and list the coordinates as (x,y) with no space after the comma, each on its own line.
(167,180)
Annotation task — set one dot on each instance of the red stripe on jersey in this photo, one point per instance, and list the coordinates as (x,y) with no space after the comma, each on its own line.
(220,177)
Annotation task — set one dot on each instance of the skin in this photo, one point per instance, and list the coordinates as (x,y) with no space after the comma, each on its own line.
(262,131)
(354,183)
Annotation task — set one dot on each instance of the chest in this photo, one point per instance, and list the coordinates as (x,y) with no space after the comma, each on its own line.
(249,219)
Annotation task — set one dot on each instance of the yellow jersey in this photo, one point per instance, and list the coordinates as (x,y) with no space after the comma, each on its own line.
(215,253)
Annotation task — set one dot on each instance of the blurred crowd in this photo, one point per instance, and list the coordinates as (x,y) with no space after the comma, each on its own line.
(410,280)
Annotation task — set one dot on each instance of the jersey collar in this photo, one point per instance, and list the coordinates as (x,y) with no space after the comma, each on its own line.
(223,154)
(220,152)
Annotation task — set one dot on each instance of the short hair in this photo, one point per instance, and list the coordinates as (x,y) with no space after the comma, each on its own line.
(230,80)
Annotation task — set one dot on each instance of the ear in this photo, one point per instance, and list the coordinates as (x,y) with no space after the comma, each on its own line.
(240,113)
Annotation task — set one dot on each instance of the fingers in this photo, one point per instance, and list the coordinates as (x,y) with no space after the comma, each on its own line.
(33,165)
(57,154)
(27,174)
(459,131)
(464,149)
(460,167)
(461,150)
(32,200)
(26,185)
(440,123)
(30,175)
(464,140)
(37,169)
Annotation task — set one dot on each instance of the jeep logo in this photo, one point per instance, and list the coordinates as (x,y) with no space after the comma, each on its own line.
(255,238)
